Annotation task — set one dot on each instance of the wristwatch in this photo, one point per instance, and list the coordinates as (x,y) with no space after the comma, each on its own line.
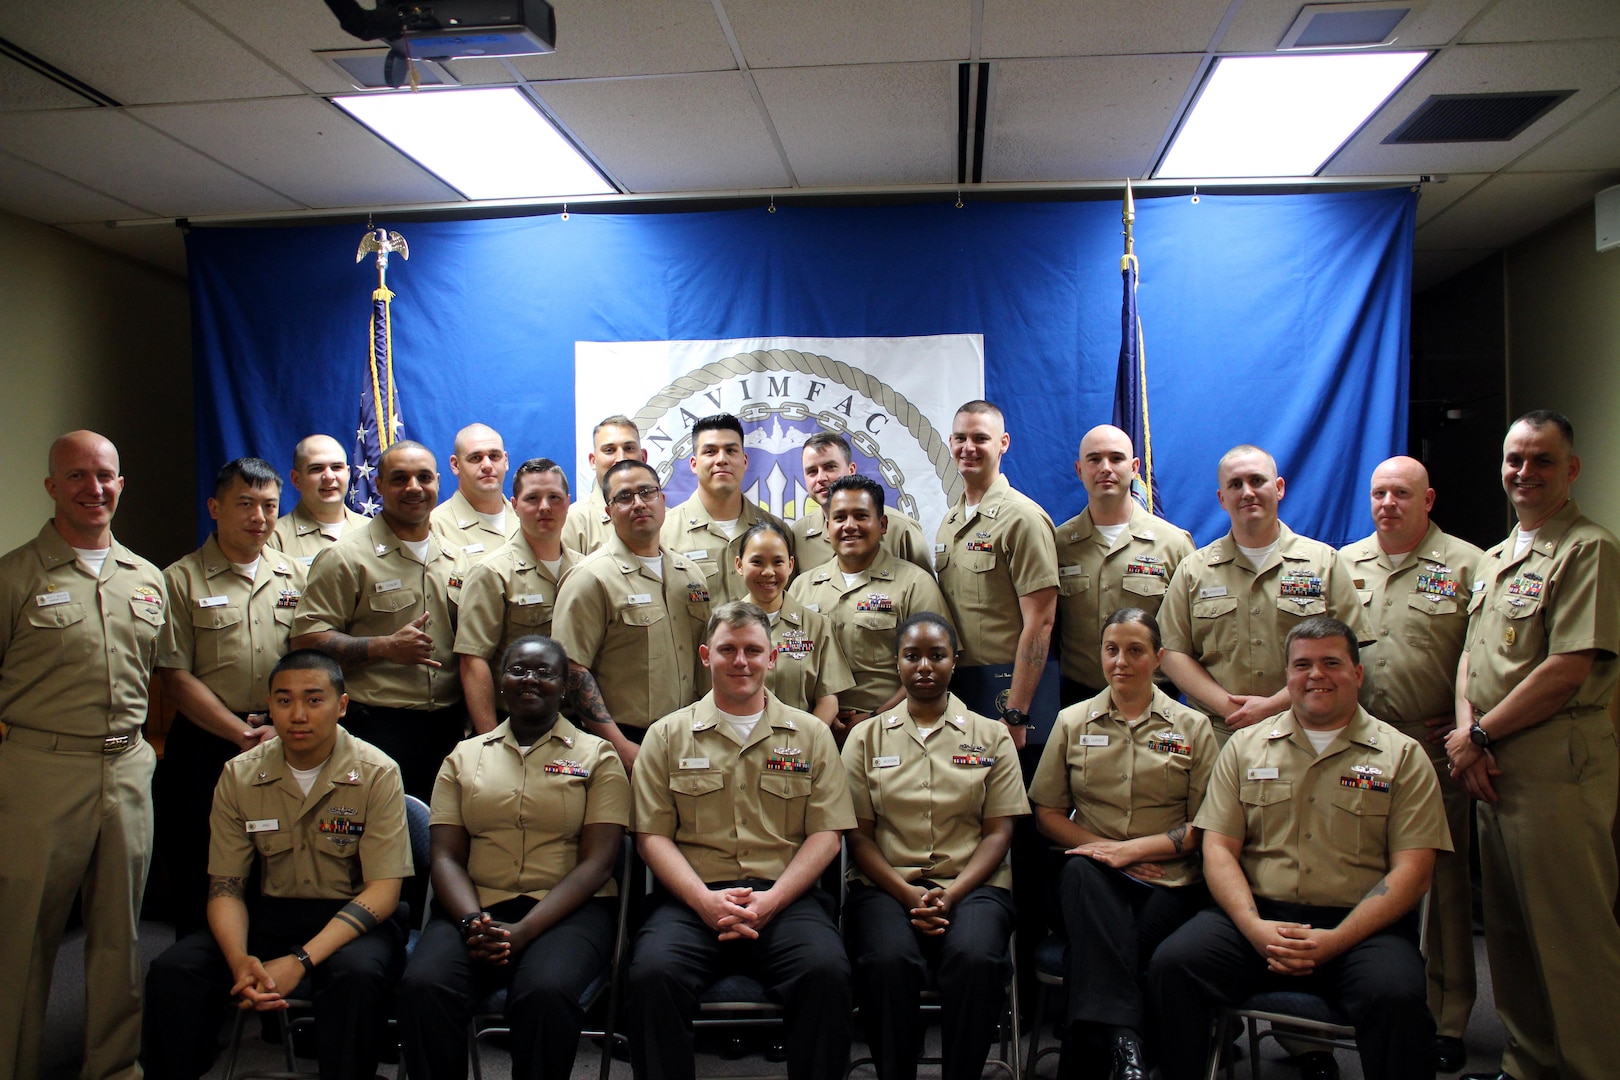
(1479,736)
(1015,718)
(302,957)
(466,923)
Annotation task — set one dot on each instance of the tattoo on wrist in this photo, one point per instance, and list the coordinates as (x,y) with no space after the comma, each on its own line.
(1178,837)
(228,887)
(357,915)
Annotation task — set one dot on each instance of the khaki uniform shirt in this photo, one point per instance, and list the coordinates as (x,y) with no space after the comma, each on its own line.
(1320,830)
(369,585)
(864,616)
(76,652)
(1126,781)
(226,630)
(639,636)
(587,526)
(1419,617)
(507,596)
(1561,596)
(1232,620)
(812,544)
(349,829)
(299,535)
(690,531)
(927,796)
(743,811)
(524,807)
(809,663)
(1095,580)
(461,529)
(1007,549)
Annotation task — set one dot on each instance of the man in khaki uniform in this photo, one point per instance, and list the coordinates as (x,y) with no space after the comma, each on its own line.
(708,528)
(1320,828)
(1533,742)
(826,457)
(231,610)
(383,603)
(322,814)
(79,621)
(320,475)
(633,613)
(1231,603)
(513,592)
(866,592)
(474,521)
(1111,555)
(739,803)
(613,440)
(1414,581)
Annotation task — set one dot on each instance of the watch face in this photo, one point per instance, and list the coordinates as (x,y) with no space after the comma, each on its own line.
(1480,737)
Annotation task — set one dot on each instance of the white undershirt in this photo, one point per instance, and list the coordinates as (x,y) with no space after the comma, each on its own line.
(1321,739)
(332,530)
(774,615)
(654,565)
(969,509)
(419,548)
(743,725)
(496,522)
(1523,540)
(1398,561)
(927,731)
(850,579)
(249,570)
(305,778)
(727,527)
(1257,556)
(93,559)
(554,565)
(1110,533)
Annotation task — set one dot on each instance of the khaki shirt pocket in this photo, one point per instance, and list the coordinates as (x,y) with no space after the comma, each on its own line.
(390,602)
(1072,581)
(1214,628)
(1475,601)
(979,562)
(700,808)
(216,638)
(1268,810)
(284,618)
(528,614)
(73,646)
(148,621)
(788,802)
(1360,821)
(874,645)
(1302,607)
(1145,584)
(643,615)
(275,849)
(1422,633)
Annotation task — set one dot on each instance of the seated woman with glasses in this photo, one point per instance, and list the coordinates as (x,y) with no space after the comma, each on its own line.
(527,824)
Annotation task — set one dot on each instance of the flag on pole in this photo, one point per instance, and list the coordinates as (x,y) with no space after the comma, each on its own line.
(1130,381)
(381,424)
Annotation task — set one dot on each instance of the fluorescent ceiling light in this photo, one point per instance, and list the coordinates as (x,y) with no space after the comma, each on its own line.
(1282,115)
(487,143)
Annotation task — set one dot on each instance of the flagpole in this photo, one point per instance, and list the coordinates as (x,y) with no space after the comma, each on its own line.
(380,423)
(1131,268)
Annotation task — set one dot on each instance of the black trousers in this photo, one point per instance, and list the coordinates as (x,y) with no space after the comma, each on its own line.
(182,799)
(891,961)
(187,984)
(1380,984)
(799,958)
(417,739)
(444,984)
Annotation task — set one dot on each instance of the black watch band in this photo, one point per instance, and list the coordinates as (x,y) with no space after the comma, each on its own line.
(1479,736)
(303,958)
(466,922)
(1015,718)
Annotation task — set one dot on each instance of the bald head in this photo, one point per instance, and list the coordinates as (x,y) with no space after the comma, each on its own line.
(76,443)
(85,485)
(1401,501)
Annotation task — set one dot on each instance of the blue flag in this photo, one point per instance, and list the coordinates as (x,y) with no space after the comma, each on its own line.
(1131,396)
(380,423)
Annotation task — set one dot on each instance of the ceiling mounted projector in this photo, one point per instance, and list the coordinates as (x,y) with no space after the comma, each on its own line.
(453,29)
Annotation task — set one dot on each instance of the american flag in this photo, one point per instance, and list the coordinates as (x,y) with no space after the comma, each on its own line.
(381,424)
(1130,382)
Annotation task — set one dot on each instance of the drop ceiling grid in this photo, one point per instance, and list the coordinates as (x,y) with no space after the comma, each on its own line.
(774,33)
(1261,24)
(1030,28)
(1508,206)
(608,38)
(1540,20)
(42,195)
(1590,142)
(23,88)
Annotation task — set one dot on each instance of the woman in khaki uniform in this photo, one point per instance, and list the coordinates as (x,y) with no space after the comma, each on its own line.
(1118,785)
(936,789)
(810,671)
(527,823)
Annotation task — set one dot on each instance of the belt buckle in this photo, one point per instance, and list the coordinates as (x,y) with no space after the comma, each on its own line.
(115,744)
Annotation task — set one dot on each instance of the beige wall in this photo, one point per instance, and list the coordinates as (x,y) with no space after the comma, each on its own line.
(91,339)
(1563,318)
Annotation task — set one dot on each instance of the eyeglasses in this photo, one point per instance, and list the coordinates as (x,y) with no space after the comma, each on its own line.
(522,671)
(624,499)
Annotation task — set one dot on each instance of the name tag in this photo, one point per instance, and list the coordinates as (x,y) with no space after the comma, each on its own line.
(1070,571)
(268,824)
(939,549)
(305,560)
(1212,592)
(697,553)
(1263,774)
(51,599)
(1479,586)
(638,599)
(473,549)
(1094,740)
(390,585)
(212,601)
(887,761)
(528,599)
(694,763)
(816,607)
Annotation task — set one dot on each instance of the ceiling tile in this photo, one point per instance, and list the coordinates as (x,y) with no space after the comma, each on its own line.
(873,124)
(163,246)
(151,51)
(832,32)
(1591,142)
(107,150)
(22,87)
(1433,198)
(1540,20)
(1430,268)
(671,133)
(1261,24)
(1586,67)
(288,36)
(1510,206)
(481,72)
(35,193)
(1090,118)
(302,147)
(1098,28)
(632,37)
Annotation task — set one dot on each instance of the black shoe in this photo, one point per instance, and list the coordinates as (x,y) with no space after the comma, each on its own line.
(1128,1059)
(1449,1053)
(1317,1065)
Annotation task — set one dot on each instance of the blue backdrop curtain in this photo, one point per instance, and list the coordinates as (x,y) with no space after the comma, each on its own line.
(1279,320)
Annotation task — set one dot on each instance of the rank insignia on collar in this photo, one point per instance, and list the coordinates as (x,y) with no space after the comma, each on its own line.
(566,740)
(382,549)
(353,777)
(288,598)
(973,761)
(567,767)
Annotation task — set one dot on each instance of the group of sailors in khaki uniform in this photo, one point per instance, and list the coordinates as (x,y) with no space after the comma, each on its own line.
(742,694)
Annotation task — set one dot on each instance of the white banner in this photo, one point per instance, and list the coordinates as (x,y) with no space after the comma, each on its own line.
(892,398)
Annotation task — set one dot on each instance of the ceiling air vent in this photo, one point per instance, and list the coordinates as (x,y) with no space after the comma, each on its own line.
(1451,118)
(1363,25)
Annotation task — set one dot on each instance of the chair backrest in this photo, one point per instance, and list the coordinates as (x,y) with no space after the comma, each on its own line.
(418,889)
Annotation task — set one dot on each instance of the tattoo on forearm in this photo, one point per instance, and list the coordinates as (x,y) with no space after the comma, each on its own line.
(585,697)
(350,651)
(1380,889)
(357,915)
(229,887)
(1178,837)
